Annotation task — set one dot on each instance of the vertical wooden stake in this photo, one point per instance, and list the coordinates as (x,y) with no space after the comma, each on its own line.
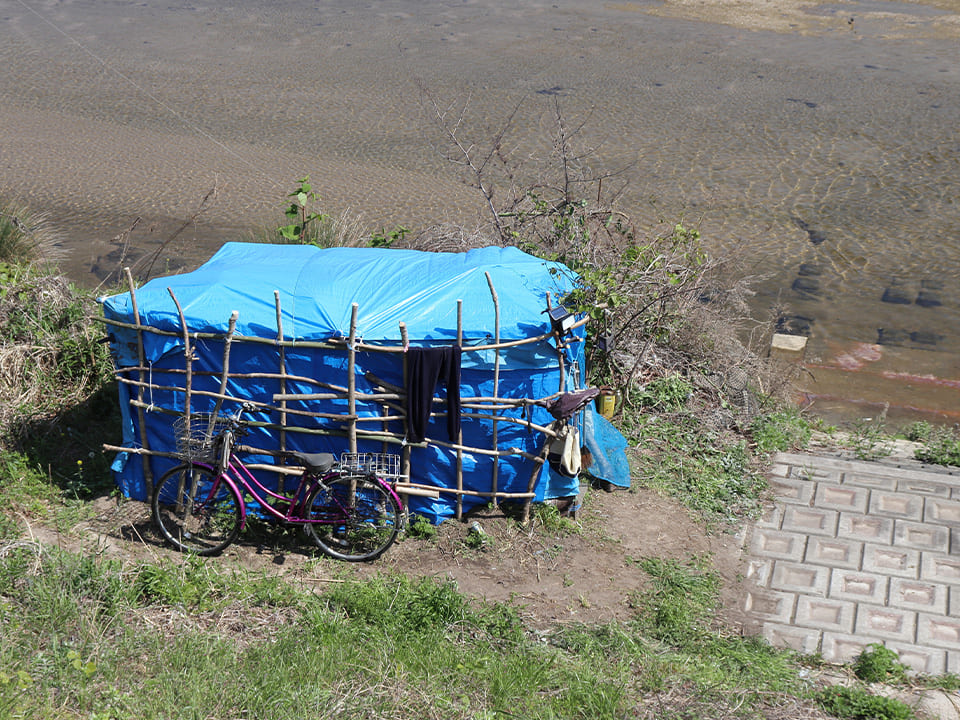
(494,489)
(283,387)
(141,362)
(405,452)
(352,380)
(224,373)
(188,363)
(460,435)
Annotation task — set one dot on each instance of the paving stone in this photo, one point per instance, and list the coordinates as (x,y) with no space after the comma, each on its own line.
(771,605)
(758,571)
(806,579)
(890,560)
(953,662)
(896,505)
(939,568)
(955,541)
(780,470)
(825,614)
(842,497)
(835,552)
(922,536)
(772,516)
(841,648)
(924,487)
(778,544)
(858,586)
(802,640)
(929,661)
(946,512)
(868,528)
(813,521)
(938,631)
(812,473)
(867,480)
(886,623)
(916,595)
(792,490)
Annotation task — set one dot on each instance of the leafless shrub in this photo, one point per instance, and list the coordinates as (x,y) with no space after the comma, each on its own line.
(659,303)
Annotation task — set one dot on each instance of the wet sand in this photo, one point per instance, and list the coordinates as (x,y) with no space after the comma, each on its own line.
(825,149)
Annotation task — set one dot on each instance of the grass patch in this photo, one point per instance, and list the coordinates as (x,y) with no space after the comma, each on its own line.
(710,471)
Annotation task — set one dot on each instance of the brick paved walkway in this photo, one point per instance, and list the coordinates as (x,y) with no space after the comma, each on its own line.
(856,553)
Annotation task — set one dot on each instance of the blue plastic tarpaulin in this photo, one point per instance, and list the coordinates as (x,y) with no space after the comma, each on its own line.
(315,290)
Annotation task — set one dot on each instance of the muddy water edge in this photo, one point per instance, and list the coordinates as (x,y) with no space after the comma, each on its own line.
(817,140)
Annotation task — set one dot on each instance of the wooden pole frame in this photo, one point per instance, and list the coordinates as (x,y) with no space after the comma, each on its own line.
(391,398)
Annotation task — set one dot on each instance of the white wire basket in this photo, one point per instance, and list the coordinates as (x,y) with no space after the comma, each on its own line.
(383,465)
(196,440)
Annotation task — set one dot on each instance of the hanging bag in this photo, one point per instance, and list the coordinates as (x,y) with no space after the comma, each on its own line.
(563,453)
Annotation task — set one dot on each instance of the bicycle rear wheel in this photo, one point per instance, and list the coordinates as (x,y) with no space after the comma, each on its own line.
(353,526)
(195,510)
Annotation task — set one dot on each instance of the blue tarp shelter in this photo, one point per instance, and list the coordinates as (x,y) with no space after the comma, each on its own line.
(290,351)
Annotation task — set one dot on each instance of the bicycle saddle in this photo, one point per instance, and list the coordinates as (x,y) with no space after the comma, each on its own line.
(314,462)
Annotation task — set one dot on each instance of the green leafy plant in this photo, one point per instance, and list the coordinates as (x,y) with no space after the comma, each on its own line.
(386,238)
(421,528)
(780,430)
(870,440)
(665,394)
(304,220)
(941,447)
(878,663)
(854,703)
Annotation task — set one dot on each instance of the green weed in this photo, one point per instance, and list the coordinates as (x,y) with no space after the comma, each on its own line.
(855,703)
(421,528)
(870,439)
(879,664)
(679,607)
(941,447)
(781,430)
(710,472)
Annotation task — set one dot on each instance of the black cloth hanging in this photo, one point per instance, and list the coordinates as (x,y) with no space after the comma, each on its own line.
(425,367)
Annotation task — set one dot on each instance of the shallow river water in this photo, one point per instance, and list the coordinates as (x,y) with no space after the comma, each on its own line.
(817,140)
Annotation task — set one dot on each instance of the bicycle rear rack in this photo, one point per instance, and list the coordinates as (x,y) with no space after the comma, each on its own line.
(384,465)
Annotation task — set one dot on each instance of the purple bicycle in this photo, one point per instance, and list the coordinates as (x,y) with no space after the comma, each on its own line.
(346,507)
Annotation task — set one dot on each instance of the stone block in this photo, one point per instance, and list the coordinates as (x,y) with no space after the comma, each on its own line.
(938,631)
(870,529)
(788,348)
(772,516)
(793,490)
(841,648)
(886,623)
(771,605)
(940,568)
(758,571)
(929,661)
(871,481)
(825,614)
(801,640)
(846,498)
(858,586)
(945,512)
(896,505)
(812,521)
(891,560)
(921,536)
(834,552)
(924,487)
(921,596)
(778,544)
(804,579)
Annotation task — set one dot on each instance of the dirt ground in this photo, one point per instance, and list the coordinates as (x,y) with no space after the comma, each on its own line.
(580,571)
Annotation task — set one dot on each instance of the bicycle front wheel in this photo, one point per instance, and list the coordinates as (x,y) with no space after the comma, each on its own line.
(196,510)
(353,518)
